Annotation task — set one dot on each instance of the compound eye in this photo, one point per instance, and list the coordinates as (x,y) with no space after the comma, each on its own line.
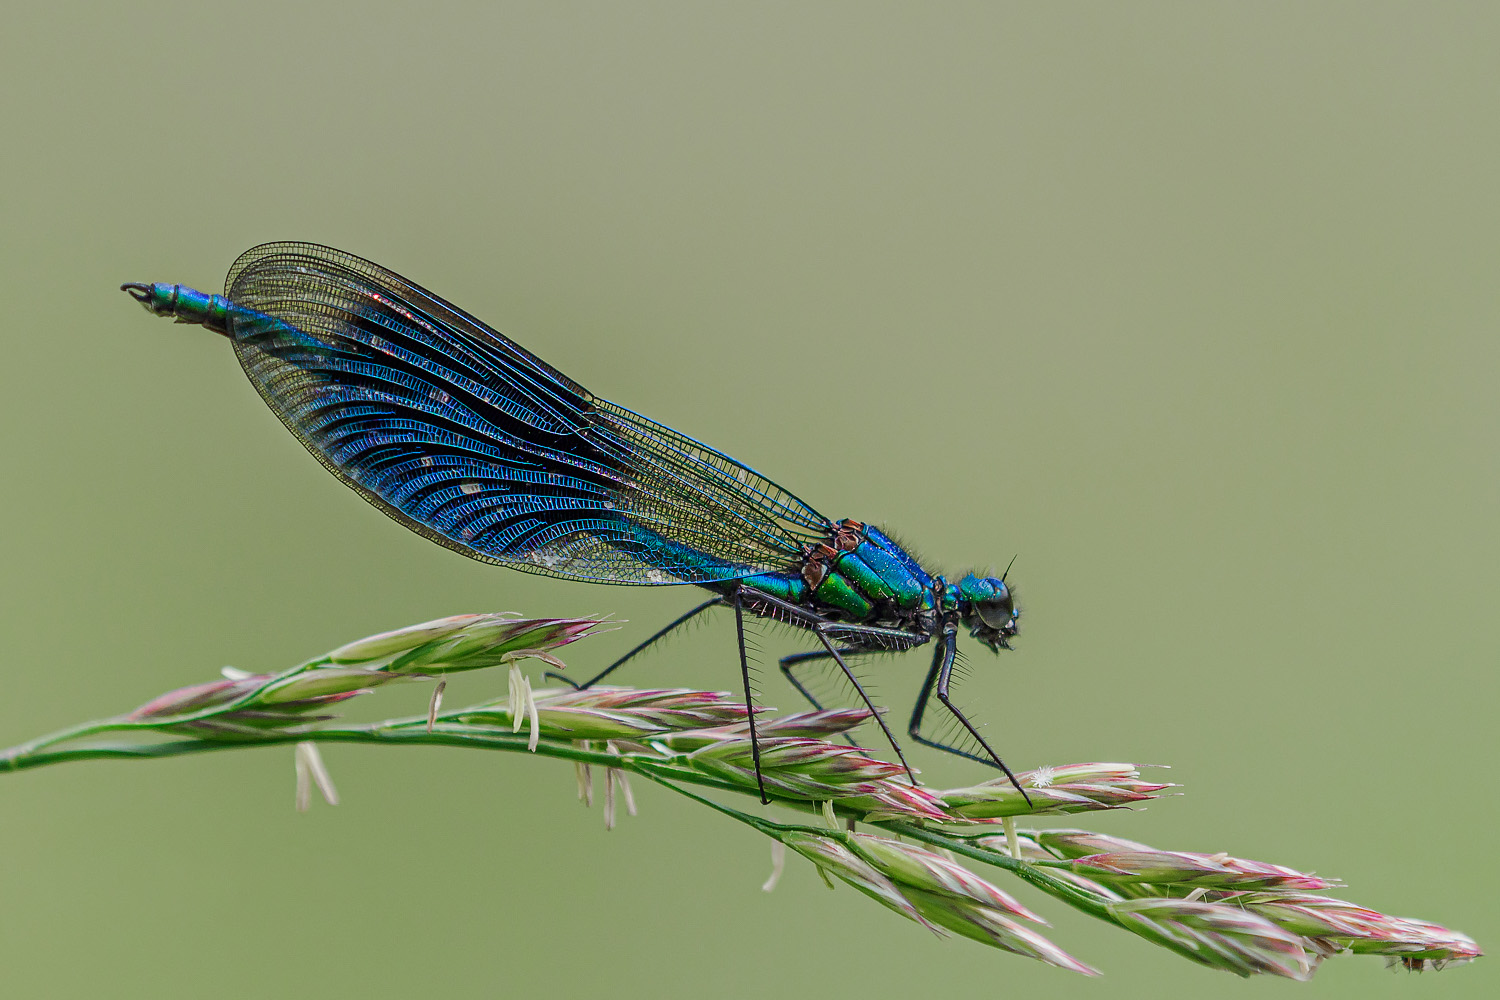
(997,614)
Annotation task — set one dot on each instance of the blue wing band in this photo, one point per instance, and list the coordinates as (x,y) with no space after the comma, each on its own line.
(469,439)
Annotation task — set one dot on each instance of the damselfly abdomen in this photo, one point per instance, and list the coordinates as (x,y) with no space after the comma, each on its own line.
(465,437)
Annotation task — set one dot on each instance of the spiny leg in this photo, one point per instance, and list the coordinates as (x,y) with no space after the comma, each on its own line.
(938,676)
(872,638)
(890,737)
(676,623)
(795,659)
(823,628)
(919,709)
(739,633)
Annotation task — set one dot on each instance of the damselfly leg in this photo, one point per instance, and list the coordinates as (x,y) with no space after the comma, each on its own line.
(788,663)
(826,631)
(673,626)
(739,634)
(938,677)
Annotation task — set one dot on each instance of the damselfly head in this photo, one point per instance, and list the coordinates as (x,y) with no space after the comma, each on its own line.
(988,608)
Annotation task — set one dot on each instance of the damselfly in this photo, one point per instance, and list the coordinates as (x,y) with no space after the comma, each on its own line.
(463,436)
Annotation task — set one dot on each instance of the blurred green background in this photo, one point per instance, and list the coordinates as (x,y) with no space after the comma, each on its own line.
(1191,307)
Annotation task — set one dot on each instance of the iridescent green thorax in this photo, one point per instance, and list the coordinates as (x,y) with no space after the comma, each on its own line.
(858,575)
(865,575)
(861,575)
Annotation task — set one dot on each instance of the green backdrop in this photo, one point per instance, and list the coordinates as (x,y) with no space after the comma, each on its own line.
(1190,307)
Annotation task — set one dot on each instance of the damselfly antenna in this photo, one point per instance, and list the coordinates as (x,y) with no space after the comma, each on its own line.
(1008,566)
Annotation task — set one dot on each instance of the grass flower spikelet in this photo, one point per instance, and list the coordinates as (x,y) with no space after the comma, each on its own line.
(1232,914)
